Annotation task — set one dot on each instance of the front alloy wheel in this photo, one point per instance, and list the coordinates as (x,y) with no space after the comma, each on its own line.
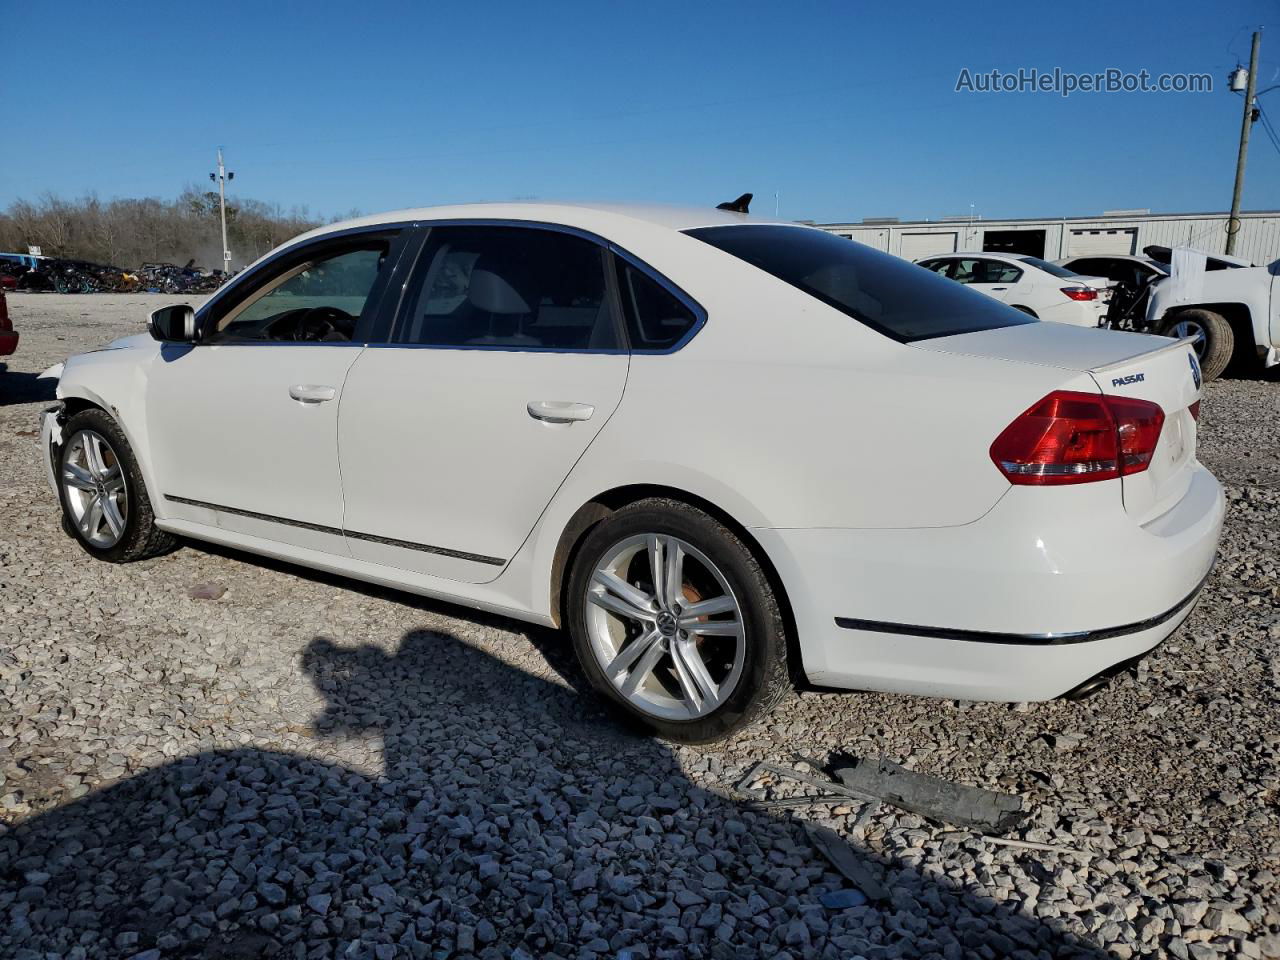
(103,496)
(96,494)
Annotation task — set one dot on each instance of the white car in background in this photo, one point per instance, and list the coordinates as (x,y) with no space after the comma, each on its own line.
(719,451)
(1036,287)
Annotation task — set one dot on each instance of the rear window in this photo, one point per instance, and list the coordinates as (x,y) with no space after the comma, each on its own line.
(1061,273)
(888,294)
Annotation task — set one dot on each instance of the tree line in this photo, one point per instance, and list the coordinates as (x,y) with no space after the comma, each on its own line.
(127,232)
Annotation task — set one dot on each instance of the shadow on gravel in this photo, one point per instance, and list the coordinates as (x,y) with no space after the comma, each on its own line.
(511,820)
(24,388)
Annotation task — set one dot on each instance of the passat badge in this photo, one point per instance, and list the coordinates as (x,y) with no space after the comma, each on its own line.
(1125,381)
(1195,369)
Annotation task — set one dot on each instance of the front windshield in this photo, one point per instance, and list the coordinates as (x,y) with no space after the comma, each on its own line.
(892,296)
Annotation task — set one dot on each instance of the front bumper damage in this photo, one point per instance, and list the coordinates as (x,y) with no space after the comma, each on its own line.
(51,420)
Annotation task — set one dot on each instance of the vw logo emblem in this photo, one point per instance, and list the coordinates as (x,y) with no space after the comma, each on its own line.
(1195,369)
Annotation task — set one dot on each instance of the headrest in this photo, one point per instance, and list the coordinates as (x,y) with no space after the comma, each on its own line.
(492,294)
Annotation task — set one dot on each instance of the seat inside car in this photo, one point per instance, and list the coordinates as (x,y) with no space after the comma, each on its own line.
(490,293)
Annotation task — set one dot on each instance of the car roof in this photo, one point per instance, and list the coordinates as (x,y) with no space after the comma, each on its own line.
(585,216)
(1107,256)
(984,254)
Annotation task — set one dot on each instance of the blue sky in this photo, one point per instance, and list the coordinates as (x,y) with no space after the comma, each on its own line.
(846,110)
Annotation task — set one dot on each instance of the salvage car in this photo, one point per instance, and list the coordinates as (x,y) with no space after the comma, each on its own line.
(724,453)
(1226,305)
(1034,286)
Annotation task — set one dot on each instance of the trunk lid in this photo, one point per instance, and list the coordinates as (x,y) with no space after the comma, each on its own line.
(1121,364)
(1170,377)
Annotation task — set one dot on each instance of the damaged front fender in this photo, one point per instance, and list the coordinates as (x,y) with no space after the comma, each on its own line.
(51,439)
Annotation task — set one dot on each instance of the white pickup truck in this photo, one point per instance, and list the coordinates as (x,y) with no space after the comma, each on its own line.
(1225,304)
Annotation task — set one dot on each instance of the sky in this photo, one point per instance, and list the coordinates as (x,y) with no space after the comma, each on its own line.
(841,110)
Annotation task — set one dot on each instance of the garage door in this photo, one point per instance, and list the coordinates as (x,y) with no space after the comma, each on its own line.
(1103,242)
(917,245)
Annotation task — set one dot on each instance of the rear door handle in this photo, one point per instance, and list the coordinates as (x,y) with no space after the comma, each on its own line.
(560,411)
(312,393)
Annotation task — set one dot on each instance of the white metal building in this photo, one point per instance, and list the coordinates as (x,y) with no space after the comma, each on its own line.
(1117,231)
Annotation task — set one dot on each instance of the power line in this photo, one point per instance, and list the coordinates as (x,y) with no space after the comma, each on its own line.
(1269,128)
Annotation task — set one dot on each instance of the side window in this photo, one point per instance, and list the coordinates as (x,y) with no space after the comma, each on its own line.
(656,318)
(967,271)
(985,271)
(937,266)
(515,287)
(317,299)
(998,272)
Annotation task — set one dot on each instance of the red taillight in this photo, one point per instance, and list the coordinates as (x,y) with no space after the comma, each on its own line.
(1071,437)
(1080,293)
(1195,410)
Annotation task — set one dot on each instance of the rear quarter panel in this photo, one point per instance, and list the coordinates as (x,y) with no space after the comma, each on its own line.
(787,413)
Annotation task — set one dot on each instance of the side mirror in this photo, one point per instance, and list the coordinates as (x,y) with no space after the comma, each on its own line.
(176,324)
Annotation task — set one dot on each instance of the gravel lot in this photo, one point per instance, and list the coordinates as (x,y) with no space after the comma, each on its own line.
(309,767)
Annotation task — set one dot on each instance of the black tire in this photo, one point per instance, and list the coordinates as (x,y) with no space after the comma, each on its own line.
(141,538)
(764,680)
(1027,310)
(1219,338)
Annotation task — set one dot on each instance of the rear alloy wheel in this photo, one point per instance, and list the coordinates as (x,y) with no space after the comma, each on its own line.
(675,623)
(104,500)
(1211,337)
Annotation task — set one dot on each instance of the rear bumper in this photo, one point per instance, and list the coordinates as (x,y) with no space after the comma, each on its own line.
(1077,313)
(8,342)
(1027,603)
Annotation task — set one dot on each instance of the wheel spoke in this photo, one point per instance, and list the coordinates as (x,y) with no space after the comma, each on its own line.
(630,654)
(706,608)
(714,628)
(621,597)
(115,519)
(91,519)
(652,654)
(93,455)
(695,682)
(673,578)
(657,566)
(114,479)
(74,475)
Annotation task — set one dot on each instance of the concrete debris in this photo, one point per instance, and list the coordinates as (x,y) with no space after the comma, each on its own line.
(832,846)
(928,796)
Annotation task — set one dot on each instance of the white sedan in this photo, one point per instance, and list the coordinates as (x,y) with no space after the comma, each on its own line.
(1034,286)
(721,452)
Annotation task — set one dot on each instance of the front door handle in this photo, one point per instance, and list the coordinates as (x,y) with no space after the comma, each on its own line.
(312,393)
(560,411)
(999,288)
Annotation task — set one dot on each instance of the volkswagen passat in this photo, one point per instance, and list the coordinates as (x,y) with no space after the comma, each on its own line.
(722,452)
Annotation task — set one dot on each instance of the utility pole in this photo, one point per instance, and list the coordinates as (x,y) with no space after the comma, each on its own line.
(222,176)
(1233,224)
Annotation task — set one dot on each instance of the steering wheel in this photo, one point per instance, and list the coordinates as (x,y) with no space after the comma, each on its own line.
(318,322)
